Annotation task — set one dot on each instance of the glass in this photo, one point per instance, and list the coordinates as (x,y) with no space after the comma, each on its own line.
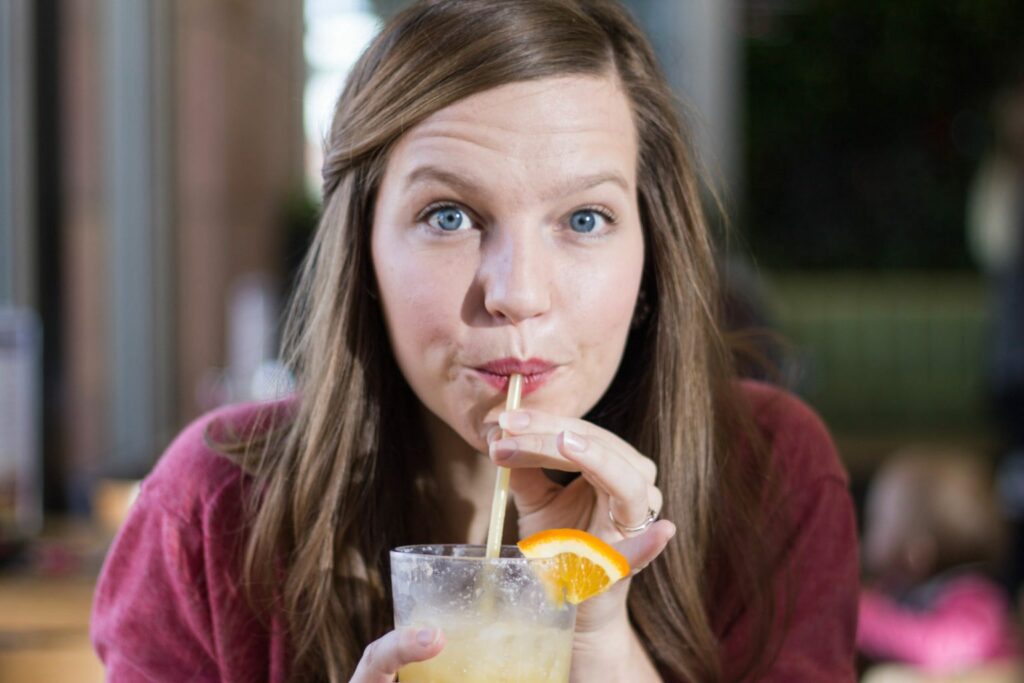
(500,622)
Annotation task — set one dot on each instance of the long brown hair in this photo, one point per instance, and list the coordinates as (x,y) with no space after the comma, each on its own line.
(338,489)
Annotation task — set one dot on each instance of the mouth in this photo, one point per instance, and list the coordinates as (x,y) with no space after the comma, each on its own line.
(535,372)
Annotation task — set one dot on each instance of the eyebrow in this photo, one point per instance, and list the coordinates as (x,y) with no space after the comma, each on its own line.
(469,186)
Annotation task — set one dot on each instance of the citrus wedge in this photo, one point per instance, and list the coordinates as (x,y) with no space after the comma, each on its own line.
(583,566)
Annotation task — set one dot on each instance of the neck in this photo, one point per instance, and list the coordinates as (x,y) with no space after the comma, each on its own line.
(465,481)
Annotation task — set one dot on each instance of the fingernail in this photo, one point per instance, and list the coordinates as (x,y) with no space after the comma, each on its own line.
(504,449)
(514,420)
(426,636)
(574,442)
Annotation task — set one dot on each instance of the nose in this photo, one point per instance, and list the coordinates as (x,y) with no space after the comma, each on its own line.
(515,271)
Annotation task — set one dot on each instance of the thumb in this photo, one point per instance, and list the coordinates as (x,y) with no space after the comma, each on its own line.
(641,550)
(383,657)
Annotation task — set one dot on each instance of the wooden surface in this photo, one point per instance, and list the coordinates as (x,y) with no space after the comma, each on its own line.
(45,603)
(44,630)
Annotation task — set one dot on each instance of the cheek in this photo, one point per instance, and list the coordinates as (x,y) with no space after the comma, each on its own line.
(421,309)
(610,303)
(599,314)
(606,295)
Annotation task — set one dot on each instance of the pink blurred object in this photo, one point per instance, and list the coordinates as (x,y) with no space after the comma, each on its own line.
(56,560)
(967,624)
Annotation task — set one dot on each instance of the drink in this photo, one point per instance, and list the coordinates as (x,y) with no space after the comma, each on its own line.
(499,621)
(500,652)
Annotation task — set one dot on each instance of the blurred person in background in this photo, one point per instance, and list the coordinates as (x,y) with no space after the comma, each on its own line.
(932,544)
(996,236)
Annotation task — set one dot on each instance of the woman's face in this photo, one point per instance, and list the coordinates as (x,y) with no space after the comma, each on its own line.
(506,237)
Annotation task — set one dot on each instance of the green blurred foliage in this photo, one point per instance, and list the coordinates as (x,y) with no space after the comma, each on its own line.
(864,122)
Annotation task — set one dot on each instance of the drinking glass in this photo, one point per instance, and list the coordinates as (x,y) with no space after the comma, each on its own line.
(501,623)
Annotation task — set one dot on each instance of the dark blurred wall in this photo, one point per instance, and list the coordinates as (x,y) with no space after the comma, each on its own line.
(865,122)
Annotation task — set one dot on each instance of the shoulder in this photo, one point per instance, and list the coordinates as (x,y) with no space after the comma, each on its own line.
(168,603)
(811,539)
(800,443)
(195,471)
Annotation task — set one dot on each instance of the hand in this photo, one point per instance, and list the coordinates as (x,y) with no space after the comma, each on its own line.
(385,656)
(614,476)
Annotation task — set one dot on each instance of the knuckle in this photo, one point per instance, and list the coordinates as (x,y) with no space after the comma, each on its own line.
(379,655)
(371,655)
(533,443)
(655,497)
(649,469)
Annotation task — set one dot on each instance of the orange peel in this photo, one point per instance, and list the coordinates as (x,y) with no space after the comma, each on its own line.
(583,565)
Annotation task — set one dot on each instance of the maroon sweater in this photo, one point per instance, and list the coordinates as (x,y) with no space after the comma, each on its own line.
(169,605)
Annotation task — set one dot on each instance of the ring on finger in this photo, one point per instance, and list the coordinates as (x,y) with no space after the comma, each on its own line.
(651,517)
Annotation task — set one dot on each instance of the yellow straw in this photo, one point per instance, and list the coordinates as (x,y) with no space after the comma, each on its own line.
(500,500)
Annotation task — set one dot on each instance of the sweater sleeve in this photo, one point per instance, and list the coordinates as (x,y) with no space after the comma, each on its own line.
(151,619)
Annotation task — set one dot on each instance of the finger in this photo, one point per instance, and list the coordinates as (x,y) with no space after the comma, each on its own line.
(385,656)
(539,451)
(627,489)
(516,422)
(531,451)
(641,550)
(530,487)
(607,469)
(655,499)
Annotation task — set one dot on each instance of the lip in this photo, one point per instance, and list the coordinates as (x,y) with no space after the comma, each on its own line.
(535,372)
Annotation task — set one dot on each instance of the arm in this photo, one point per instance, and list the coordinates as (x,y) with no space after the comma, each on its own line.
(605,646)
(615,478)
(822,586)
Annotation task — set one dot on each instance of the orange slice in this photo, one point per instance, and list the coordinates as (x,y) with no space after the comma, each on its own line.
(583,566)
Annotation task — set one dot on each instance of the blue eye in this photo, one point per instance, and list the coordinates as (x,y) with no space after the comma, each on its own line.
(448,218)
(585,220)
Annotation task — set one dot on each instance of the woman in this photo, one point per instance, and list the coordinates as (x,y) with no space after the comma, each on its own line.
(506,189)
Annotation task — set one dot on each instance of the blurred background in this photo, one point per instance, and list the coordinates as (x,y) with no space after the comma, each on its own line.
(159,173)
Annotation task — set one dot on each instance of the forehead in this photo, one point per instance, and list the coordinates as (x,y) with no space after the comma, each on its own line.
(565,126)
